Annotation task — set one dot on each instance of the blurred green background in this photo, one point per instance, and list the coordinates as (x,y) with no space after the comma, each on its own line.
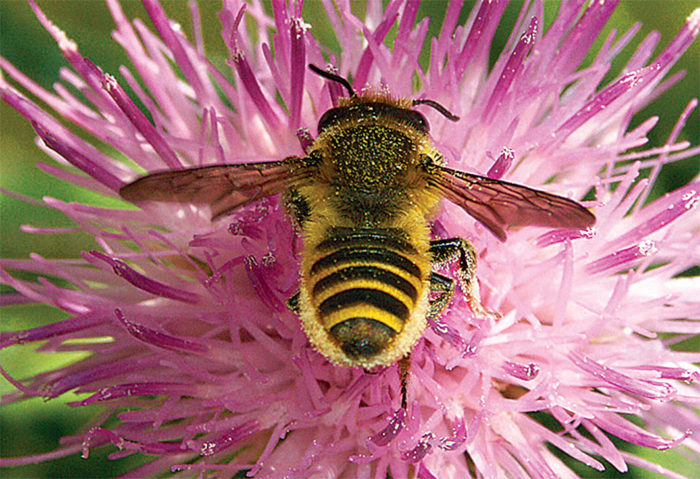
(35,426)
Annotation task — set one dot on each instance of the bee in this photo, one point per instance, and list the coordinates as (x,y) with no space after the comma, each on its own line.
(363,198)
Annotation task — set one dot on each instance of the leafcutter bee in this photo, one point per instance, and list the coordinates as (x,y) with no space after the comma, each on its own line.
(363,198)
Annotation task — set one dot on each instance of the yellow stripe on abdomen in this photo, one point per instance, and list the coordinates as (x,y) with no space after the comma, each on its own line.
(363,311)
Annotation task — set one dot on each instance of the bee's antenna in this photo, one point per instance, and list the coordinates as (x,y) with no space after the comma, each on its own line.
(441,109)
(333,77)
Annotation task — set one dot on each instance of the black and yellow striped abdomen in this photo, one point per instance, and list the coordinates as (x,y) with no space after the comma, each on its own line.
(364,287)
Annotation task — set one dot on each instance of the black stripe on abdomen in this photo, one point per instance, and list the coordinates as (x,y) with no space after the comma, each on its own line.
(366,272)
(383,238)
(375,297)
(366,255)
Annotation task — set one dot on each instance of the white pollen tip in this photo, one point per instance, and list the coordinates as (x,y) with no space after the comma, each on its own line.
(647,248)
(694,20)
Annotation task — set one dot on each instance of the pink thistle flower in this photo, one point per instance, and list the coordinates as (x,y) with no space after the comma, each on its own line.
(207,370)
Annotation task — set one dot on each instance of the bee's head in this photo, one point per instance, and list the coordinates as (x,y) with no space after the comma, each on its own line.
(373,107)
(376,105)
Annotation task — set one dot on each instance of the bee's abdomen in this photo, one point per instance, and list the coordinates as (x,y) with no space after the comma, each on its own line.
(364,285)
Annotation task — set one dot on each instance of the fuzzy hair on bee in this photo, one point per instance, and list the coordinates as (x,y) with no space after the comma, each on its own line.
(363,198)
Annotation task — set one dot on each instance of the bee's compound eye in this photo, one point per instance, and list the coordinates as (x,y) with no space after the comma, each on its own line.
(362,338)
(419,121)
(330,117)
(412,117)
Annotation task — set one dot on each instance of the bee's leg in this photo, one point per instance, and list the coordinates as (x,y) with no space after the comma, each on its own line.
(445,287)
(297,207)
(404,370)
(293,302)
(450,250)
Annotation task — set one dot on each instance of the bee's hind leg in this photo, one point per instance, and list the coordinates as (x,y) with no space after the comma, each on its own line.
(445,289)
(447,251)
(404,371)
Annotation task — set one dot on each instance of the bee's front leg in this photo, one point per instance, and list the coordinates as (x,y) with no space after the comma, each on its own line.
(449,250)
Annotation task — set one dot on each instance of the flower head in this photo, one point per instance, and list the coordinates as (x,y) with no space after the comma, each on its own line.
(207,369)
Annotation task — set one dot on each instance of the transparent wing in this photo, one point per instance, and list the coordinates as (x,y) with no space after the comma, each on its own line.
(500,205)
(222,187)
